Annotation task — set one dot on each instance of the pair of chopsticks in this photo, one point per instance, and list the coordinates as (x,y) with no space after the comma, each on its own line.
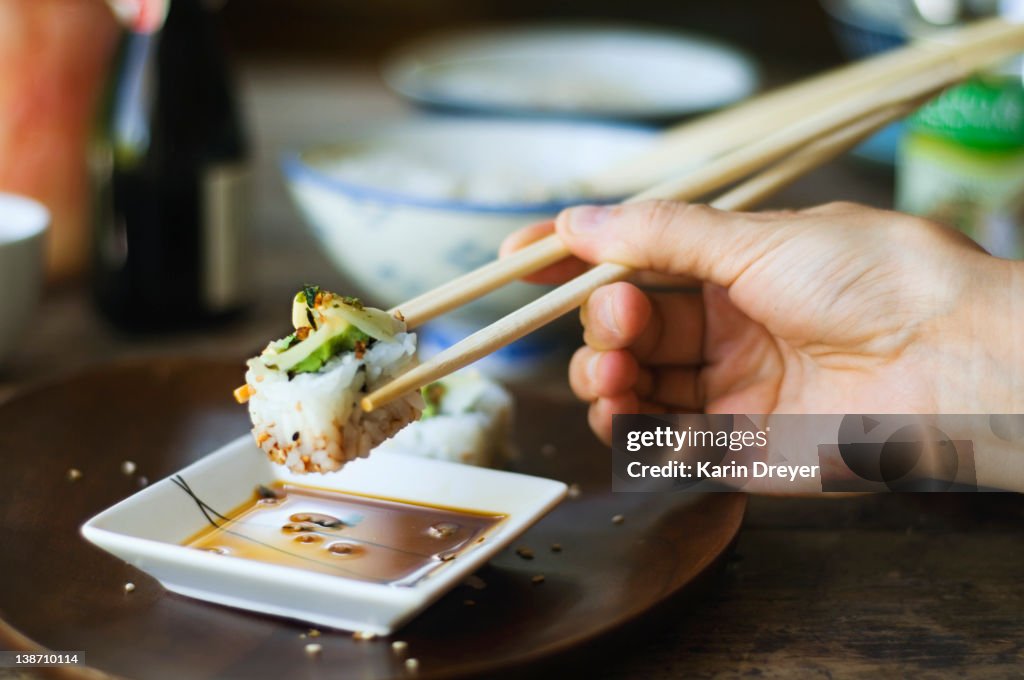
(572,294)
(854,103)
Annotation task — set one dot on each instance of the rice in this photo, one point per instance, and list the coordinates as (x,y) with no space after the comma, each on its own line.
(312,421)
(425,176)
(471,424)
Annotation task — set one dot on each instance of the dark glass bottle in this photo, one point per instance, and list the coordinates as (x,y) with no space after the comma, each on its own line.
(169,169)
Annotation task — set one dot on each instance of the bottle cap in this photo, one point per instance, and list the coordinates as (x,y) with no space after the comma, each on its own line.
(987,112)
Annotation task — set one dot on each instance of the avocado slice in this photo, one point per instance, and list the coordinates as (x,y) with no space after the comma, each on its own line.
(326,325)
(344,342)
(318,348)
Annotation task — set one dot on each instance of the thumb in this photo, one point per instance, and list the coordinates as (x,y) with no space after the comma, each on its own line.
(681,239)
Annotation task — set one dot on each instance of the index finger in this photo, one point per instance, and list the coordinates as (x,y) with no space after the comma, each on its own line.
(572,266)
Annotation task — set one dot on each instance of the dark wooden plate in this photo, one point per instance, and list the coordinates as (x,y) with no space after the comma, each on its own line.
(61,593)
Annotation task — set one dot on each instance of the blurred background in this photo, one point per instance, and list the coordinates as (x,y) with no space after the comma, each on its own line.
(794,33)
(197,170)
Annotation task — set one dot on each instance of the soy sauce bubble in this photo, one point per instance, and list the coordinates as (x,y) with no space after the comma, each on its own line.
(317,518)
(297,527)
(216,550)
(345,550)
(443,530)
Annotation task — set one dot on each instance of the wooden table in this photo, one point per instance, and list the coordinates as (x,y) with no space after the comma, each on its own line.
(904,584)
(910,585)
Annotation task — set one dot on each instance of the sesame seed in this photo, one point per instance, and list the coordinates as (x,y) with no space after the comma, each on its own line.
(524,552)
(548,450)
(73,474)
(556,547)
(313,649)
(128,468)
(469,603)
(618,519)
(539,578)
(475,582)
(143,480)
(129,587)
(399,646)
(363,635)
(313,632)
(412,665)
(574,491)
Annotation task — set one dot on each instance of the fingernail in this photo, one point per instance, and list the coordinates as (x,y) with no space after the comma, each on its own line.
(587,218)
(606,312)
(592,368)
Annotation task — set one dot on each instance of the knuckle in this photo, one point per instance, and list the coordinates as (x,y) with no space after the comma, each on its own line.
(778,215)
(836,208)
(920,234)
(661,219)
(578,376)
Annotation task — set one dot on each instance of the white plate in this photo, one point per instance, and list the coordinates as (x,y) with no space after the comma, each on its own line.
(148,528)
(587,70)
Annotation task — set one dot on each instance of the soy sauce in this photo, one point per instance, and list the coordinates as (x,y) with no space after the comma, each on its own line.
(368,539)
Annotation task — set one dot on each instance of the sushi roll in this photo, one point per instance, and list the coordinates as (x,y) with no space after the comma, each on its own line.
(303,390)
(467,418)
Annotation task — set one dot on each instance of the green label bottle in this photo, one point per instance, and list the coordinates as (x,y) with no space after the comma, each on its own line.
(962,162)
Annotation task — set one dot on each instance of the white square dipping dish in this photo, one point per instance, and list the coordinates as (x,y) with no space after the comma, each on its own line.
(148,528)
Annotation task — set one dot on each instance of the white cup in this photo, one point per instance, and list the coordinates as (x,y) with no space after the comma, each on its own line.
(22,225)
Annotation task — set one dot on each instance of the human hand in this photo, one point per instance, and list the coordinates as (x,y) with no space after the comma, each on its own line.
(840,308)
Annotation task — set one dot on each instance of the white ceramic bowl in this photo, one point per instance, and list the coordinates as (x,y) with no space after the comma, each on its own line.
(397,237)
(23,222)
(606,71)
(147,531)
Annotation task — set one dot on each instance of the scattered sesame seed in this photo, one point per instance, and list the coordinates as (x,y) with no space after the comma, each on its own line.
(618,519)
(313,632)
(574,491)
(313,649)
(475,582)
(469,603)
(539,578)
(129,587)
(556,547)
(73,474)
(448,557)
(399,646)
(548,450)
(412,665)
(302,636)
(143,480)
(363,635)
(128,468)
(524,552)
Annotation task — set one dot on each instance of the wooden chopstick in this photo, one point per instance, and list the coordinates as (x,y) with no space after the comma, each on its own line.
(690,186)
(572,294)
(696,142)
